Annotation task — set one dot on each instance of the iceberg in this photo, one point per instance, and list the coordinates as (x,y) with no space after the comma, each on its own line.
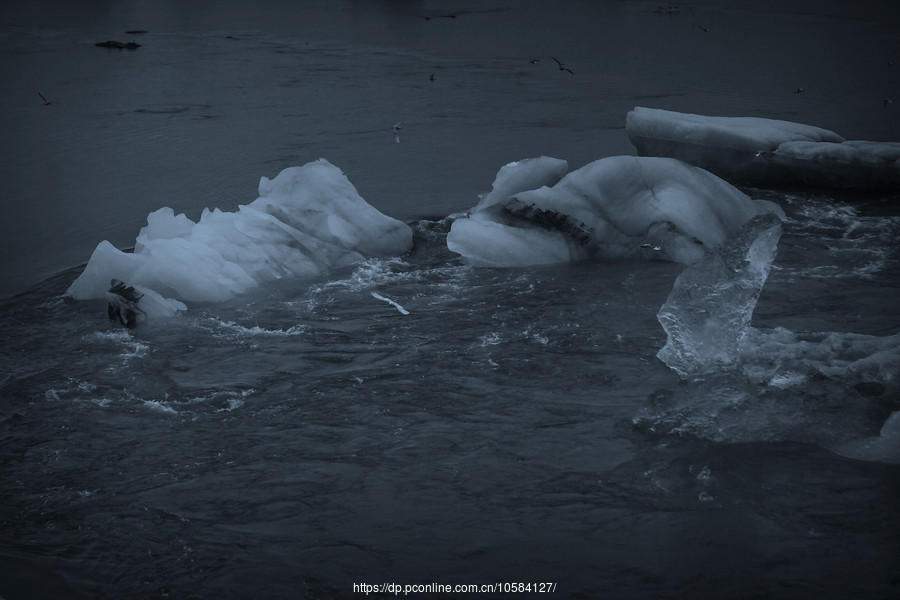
(306,221)
(615,207)
(762,151)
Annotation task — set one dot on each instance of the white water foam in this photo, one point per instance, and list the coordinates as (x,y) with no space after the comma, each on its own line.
(256,330)
(131,347)
(861,246)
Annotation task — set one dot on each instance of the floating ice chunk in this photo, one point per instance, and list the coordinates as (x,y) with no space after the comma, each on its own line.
(523,175)
(486,243)
(780,355)
(736,148)
(621,206)
(306,220)
(764,151)
(856,164)
(733,133)
(710,306)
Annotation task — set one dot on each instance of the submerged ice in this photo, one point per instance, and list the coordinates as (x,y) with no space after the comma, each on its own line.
(615,207)
(743,383)
(764,151)
(306,221)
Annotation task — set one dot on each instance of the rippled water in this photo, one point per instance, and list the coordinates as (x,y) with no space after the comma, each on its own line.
(516,424)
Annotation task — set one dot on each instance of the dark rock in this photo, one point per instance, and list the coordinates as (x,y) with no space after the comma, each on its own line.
(122,304)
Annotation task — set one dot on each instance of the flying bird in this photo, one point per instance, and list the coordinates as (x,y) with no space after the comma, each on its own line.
(562,67)
(799,91)
(431,78)
(46,102)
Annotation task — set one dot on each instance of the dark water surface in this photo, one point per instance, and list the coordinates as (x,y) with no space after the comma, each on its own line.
(221,94)
(517,424)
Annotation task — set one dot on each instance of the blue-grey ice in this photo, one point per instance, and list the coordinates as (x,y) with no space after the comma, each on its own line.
(615,207)
(764,151)
(306,221)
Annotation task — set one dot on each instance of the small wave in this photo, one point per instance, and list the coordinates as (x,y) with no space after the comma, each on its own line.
(256,330)
(389,271)
(158,406)
(78,391)
(130,347)
(374,272)
(217,401)
(528,334)
(490,339)
(856,245)
(221,401)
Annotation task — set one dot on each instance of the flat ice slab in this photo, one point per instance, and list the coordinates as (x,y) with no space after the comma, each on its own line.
(853,164)
(764,151)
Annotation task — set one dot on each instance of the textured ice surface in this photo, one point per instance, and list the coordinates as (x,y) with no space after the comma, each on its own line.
(764,151)
(739,133)
(523,175)
(854,164)
(709,309)
(306,221)
(622,206)
(751,384)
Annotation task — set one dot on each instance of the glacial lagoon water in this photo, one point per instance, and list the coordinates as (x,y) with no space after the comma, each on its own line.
(516,424)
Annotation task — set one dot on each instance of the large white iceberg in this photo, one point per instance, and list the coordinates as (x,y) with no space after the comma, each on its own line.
(764,151)
(621,206)
(306,221)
